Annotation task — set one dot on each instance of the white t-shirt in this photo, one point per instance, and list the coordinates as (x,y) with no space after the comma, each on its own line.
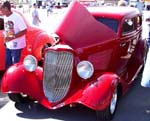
(17,24)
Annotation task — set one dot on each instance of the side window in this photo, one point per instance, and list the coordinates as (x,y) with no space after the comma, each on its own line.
(1,23)
(128,25)
(111,23)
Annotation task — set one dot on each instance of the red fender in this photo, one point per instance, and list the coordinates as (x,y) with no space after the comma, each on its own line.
(34,47)
(98,94)
(17,80)
(41,40)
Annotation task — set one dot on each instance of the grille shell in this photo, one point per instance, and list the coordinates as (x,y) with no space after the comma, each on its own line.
(58,67)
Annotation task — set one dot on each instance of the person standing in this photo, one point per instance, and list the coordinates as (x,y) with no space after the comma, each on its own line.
(14,32)
(140,5)
(49,9)
(35,15)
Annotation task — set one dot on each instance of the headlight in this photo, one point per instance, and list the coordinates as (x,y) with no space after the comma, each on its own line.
(30,63)
(85,69)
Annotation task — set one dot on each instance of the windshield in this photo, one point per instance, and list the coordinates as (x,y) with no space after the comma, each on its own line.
(111,23)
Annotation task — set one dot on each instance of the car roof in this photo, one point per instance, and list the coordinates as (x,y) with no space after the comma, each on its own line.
(116,12)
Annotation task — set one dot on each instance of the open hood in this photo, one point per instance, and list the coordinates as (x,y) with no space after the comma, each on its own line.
(80,29)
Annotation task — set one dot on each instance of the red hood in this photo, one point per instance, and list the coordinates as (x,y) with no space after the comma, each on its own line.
(79,28)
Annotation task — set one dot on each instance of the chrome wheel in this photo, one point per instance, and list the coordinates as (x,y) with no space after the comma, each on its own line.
(108,113)
(113,103)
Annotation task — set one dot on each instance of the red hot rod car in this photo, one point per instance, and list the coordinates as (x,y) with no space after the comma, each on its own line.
(97,55)
(36,40)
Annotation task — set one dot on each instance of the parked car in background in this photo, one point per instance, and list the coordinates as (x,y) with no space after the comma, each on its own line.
(97,55)
(36,40)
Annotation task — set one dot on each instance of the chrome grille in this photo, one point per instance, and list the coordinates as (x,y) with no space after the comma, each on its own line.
(57,74)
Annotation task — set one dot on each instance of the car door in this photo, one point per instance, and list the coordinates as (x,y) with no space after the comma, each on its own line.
(129,39)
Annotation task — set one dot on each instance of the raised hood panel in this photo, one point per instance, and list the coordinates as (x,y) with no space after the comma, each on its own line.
(79,28)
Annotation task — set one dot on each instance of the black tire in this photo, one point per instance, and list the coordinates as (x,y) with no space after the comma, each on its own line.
(109,112)
(18,98)
(40,63)
(44,47)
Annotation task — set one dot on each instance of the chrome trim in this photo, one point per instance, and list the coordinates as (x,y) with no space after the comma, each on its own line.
(58,67)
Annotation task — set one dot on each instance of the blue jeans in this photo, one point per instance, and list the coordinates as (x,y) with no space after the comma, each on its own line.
(12,56)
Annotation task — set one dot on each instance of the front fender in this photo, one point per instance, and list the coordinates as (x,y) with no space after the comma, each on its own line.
(16,80)
(98,94)
(35,46)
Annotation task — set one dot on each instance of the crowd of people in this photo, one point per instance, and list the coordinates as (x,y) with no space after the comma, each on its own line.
(139,4)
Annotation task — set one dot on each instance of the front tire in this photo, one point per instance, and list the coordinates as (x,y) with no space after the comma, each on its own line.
(109,112)
(18,98)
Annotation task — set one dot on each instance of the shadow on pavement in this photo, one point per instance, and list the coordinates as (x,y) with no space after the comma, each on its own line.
(36,111)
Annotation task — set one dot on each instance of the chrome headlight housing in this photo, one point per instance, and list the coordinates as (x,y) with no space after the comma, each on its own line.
(30,63)
(85,69)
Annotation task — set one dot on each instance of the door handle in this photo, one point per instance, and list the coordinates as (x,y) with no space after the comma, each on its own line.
(123,44)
